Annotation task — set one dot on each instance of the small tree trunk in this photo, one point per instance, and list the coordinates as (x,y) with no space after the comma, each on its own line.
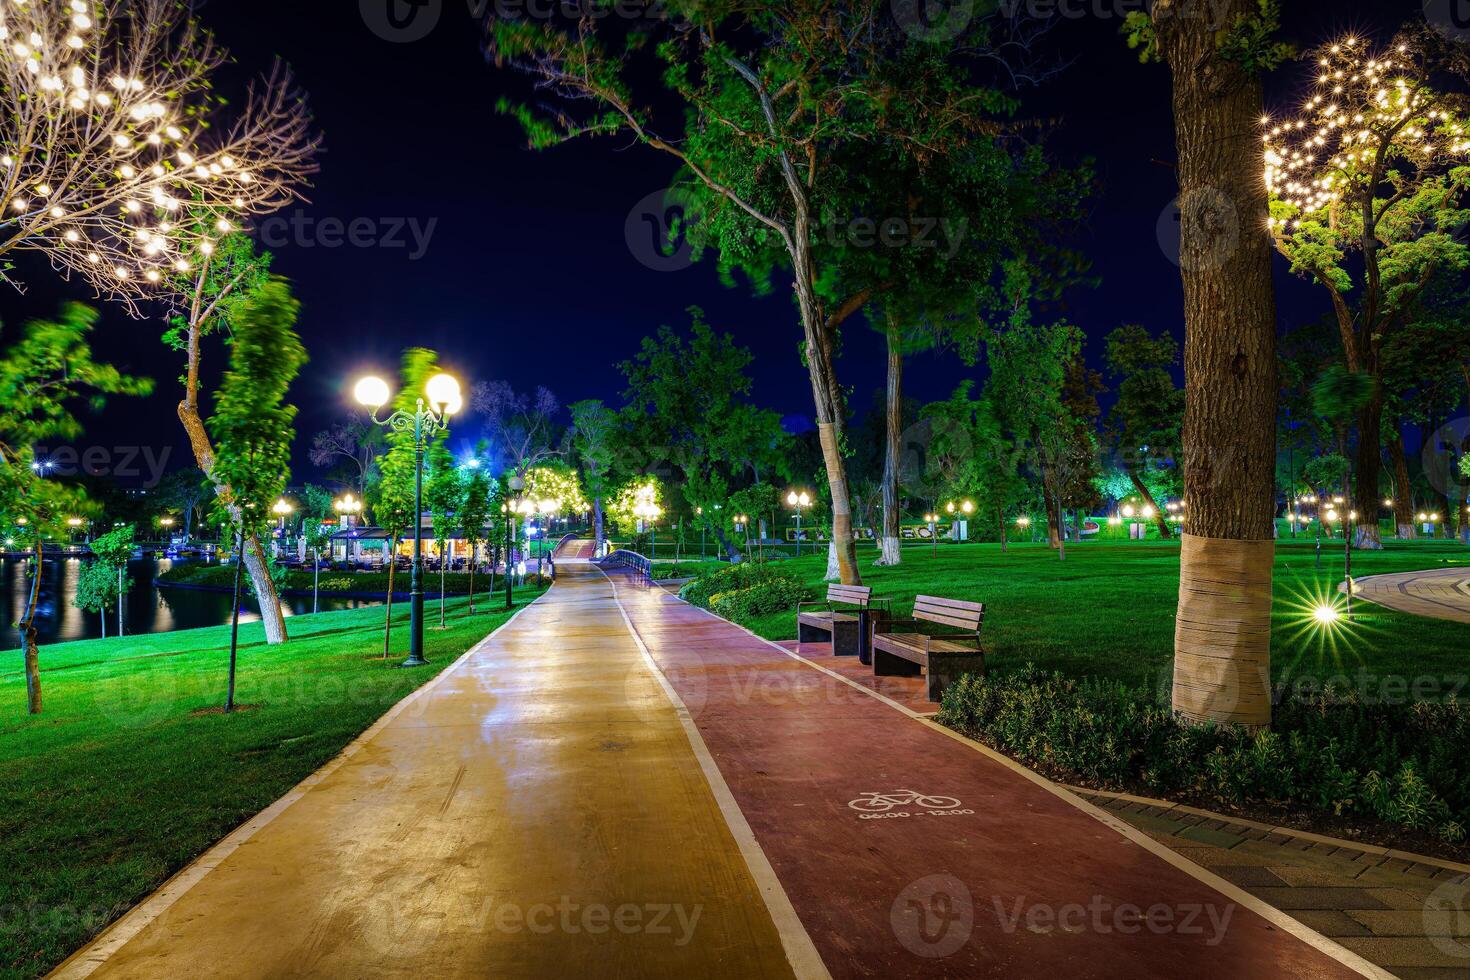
(1000,517)
(891,548)
(443,587)
(1403,491)
(271,616)
(1062,527)
(120,598)
(235,627)
(1222,641)
(474,558)
(28,632)
(1160,518)
(316,583)
(102,615)
(388,618)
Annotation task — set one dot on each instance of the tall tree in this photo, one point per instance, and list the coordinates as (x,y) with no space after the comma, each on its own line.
(1373,171)
(1222,639)
(186,491)
(1146,419)
(252,426)
(778,97)
(690,395)
(43,374)
(120,168)
(353,445)
(594,439)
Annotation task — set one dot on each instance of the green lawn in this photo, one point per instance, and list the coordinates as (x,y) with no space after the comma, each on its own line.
(120,783)
(1108,610)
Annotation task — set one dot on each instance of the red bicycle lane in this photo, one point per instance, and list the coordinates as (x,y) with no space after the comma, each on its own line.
(1013,880)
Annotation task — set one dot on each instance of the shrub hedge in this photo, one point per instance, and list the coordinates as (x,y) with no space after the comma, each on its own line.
(749,589)
(1330,754)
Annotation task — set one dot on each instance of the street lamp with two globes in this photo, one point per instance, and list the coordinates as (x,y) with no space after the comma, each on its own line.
(440,400)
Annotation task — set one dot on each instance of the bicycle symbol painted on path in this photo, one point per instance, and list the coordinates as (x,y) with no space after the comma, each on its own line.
(886,802)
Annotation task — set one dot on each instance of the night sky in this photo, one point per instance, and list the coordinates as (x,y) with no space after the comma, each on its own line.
(515,264)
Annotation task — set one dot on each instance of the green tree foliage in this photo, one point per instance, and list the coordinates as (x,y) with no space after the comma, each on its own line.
(474,510)
(1368,191)
(317,528)
(252,426)
(689,394)
(391,491)
(187,492)
(595,433)
(783,102)
(1148,416)
(44,373)
(105,580)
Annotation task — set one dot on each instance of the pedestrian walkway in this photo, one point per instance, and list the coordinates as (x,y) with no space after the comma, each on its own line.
(618,784)
(576,549)
(1441,593)
(1401,911)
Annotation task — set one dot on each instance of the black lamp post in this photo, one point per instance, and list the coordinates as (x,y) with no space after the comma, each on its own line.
(512,510)
(425,421)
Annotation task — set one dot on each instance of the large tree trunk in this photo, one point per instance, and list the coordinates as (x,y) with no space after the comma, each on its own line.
(271,616)
(890,544)
(598,525)
(1222,643)
(1403,491)
(1368,494)
(842,561)
(1161,518)
(28,635)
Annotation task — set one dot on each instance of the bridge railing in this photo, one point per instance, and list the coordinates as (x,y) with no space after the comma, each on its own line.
(629,559)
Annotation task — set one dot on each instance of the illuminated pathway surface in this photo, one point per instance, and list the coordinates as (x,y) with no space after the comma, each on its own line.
(1442,593)
(553,806)
(537,812)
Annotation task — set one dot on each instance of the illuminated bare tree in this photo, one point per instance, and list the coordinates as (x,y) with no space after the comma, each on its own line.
(111,168)
(114,165)
(521,426)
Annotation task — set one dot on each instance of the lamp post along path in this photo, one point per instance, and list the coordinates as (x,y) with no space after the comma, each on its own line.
(425,421)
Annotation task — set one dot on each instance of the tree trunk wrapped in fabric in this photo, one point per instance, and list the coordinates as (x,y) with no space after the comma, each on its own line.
(1222,645)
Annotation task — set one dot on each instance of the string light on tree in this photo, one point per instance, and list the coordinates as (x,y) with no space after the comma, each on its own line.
(109,165)
(1365,107)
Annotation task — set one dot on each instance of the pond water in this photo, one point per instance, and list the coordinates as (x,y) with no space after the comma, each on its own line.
(148,608)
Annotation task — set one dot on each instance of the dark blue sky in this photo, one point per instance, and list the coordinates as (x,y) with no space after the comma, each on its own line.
(525,271)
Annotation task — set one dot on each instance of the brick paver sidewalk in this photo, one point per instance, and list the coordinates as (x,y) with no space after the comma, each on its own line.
(1442,593)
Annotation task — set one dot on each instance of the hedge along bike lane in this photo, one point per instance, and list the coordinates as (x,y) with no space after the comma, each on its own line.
(908,851)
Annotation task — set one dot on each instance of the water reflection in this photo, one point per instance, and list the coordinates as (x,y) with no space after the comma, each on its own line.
(148,609)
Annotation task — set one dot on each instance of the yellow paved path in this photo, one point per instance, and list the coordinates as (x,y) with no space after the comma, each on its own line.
(539,811)
(1441,593)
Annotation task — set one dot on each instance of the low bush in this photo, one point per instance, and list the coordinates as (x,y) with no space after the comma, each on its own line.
(1334,755)
(772,595)
(749,589)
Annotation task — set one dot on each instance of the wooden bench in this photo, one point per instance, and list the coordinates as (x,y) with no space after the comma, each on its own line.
(819,622)
(906,648)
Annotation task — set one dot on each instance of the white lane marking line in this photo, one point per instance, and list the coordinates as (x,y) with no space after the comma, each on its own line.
(801,952)
(1240,896)
(87,960)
